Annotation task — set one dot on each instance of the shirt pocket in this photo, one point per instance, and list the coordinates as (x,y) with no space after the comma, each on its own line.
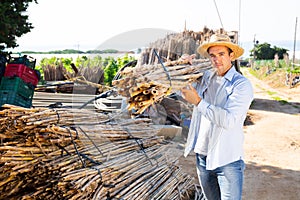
(228,90)
(223,95)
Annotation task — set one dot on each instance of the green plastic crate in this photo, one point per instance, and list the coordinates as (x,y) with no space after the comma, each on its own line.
(11,97)
(17,85)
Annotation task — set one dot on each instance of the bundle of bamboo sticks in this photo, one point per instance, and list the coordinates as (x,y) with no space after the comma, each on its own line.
(19,119)
(149,84)
(42,157)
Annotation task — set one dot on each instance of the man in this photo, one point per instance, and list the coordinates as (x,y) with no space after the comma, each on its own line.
(221,101)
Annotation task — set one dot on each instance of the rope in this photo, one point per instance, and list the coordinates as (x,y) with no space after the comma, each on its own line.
(58,116)
(102,95)
(91,141)
(165,69)
(75,147)
(140,144)
(218,14)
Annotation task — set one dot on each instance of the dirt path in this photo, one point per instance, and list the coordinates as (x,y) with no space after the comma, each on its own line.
(272,144)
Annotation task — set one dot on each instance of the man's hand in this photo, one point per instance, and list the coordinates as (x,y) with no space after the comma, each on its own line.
(190,95)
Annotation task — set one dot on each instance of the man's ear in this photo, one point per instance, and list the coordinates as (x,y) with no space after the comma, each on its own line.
(231,55)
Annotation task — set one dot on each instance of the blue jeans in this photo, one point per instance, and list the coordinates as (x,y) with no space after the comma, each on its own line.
(224,182)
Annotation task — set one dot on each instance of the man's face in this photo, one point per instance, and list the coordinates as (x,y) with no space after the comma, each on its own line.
(221,59)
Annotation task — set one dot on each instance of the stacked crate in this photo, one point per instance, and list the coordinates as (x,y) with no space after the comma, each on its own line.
(3,61)
(18,83)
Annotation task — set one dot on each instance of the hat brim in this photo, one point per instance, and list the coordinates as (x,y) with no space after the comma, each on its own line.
(238,51)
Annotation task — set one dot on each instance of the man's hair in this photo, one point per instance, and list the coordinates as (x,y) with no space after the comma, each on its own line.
(229,50)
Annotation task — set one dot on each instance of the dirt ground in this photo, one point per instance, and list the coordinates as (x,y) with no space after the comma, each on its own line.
(272,143)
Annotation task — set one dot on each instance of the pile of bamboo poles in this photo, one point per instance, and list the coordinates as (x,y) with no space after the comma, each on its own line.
(19,119)
(90,78)
(148,84)
(56,154)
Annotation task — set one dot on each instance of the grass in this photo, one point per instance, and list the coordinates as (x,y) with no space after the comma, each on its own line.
(271,93)
(276,98)
(281,101)
(253,72)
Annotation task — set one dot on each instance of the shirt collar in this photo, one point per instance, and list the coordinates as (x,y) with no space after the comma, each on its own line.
(230,73)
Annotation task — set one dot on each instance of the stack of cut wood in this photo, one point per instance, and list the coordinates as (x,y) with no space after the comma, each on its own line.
(148,84)
(174,45)
(90,79)
(62,154)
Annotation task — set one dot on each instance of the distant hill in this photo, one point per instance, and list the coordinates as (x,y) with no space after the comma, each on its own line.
(134,39)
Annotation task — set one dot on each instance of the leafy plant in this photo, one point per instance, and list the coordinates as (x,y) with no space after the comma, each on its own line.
(57,61)
(110,65)
(293,70)
(84,61)
(110,71)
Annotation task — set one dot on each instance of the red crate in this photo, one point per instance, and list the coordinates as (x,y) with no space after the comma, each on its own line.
(27,74)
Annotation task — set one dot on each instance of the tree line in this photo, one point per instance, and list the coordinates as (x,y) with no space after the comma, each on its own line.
(73,51)
(264,51)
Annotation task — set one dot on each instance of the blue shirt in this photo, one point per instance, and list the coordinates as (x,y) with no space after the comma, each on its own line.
(216,128)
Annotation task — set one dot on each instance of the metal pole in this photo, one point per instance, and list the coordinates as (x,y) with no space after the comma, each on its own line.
(254,48)
(295,43)
(239,22)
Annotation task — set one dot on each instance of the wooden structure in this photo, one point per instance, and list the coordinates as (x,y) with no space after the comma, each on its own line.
(174,45)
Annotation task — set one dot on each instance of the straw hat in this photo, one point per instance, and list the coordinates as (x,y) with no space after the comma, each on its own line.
(222,40)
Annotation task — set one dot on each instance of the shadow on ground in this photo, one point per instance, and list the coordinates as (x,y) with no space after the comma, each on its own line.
(276,106)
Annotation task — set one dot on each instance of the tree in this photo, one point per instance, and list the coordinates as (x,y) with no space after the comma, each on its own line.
(280,52)
(14,22)
(266,52)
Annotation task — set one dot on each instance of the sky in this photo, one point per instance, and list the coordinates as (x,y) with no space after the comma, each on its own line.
(85,25)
